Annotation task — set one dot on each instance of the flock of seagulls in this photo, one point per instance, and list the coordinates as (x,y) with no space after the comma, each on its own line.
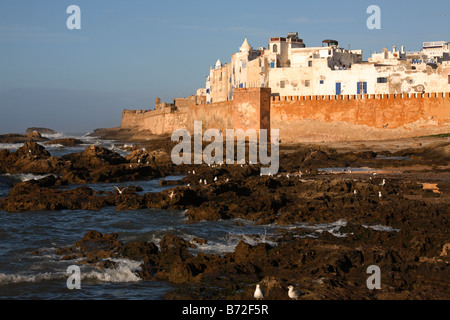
(292,293)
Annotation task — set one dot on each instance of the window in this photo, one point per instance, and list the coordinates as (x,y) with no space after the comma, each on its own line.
(361,87)
(282,84)
(309,63)
(307,83)
(272,65)
(275,48)
(321,82)
(382,80)
(449,79)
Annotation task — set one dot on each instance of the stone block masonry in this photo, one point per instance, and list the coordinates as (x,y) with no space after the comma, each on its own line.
(307,118)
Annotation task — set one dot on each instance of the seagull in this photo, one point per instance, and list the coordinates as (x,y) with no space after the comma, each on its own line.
(188,185)
(385,126)
(215,179)
(228,179)
(172,194)
(201,181)
(355,192)
(259,294)
(379,194)
(287,176)
(293,294)
(383,183)
(206,182)
(193,172)
(119,190)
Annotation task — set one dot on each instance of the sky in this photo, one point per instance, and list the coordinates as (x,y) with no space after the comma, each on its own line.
(127,53)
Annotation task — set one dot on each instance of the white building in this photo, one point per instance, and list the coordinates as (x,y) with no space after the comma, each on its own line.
(290,68)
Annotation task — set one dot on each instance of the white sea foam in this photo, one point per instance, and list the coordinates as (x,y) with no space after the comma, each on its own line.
(11,146)
(23,177)
(32,278)
(382,228)
(125,272)
(58,135)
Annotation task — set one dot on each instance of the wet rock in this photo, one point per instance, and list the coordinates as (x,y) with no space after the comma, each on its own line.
(66,142)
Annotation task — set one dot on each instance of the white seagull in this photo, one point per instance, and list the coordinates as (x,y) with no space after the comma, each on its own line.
(215,179)
(120,190)
(379,194)
(383,183)
(171,195)
(258,295)
(293,294)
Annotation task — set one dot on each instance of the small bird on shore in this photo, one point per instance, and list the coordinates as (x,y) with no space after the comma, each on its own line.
(215,179)
(206,182)
(293,294)
(379,194)
(120,190)
(193,172)
(259,294)
(200,181)
(383,183)
(171,195)
(355,192)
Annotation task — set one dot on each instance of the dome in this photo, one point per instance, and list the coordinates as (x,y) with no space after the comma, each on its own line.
(245,46)
(218,64)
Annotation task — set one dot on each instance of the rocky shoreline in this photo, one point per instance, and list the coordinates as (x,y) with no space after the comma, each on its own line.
(404,231)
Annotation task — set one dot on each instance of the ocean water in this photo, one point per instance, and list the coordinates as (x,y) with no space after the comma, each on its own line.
(25,275)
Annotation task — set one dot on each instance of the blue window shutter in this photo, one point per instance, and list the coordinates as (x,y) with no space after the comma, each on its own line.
(338,88)
(272,65)
(358,90)
(365,87)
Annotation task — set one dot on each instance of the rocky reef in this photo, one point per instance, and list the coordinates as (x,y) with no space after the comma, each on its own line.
(392,219)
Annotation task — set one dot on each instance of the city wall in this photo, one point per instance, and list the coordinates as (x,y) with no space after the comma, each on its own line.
(360,117)
(250,109)
(308,118)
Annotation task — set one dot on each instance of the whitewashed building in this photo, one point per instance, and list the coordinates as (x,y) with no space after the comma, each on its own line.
(290,68)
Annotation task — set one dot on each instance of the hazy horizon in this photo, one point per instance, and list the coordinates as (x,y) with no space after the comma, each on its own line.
(127,54)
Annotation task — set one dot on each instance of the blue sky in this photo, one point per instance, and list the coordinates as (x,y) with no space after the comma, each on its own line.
(127,53)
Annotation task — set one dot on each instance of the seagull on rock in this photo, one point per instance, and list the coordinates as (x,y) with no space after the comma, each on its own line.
(379,194)
(259,294)
(293,294)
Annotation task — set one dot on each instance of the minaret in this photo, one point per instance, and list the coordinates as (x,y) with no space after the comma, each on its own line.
(245,46)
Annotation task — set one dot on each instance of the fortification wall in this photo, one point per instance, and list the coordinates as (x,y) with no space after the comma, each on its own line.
(250,109)
(307,118)
(362,117)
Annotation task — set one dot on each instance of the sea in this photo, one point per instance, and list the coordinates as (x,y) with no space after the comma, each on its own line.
(25,275)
